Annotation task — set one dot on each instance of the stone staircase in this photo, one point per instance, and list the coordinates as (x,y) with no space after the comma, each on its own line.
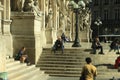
(71,62)
(20,71)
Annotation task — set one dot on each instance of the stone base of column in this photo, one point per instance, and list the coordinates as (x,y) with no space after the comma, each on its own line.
(26,31)
(50,35)
(2,54)
(7,37)
(84,36)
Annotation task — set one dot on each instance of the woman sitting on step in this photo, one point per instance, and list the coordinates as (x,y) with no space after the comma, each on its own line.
(22,56)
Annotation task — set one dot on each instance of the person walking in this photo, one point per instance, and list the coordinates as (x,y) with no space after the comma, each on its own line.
(89,71)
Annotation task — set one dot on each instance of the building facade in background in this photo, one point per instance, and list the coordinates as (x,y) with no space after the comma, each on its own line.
(109,13)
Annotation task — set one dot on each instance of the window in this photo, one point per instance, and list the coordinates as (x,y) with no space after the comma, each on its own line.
(105,14)
(106,2)
(95,2)
(117,14)
(95,14)
(116,1)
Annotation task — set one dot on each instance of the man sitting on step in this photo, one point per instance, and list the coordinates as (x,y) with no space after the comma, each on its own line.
(58,45)
(96,45)
(115,45)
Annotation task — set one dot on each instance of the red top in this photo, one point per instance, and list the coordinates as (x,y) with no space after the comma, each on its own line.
(117,62)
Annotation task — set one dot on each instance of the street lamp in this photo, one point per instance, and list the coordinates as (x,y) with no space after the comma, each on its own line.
(76,6)
(98,22)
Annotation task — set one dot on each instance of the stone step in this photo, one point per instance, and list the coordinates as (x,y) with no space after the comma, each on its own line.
(9,60)
(17,67)
(100,76)
(10,64)
(71,62)
(71,66)
(26,73)
(21,71)
(56,59)
(37,75)
(61,62)
(105,69)
(77,54)
(78,72)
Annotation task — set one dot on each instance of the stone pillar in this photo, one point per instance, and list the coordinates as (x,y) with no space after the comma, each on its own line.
(50,25)
(55,16)
(49,35)
(42,8)
(2,43)
(26,31)
(6,28)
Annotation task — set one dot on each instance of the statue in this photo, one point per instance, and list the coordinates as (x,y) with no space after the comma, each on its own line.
(32,6)
(86,20)
(36,8)
(49,17)
(61,20)
(28,6)
(17,5)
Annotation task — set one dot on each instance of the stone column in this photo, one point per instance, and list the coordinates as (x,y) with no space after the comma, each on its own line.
(55,16)
(42,8)
(6,28)
(50,24)
(2,43)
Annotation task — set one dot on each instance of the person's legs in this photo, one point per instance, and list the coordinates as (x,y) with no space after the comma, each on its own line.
(62,49)
(94,50)
(101,49)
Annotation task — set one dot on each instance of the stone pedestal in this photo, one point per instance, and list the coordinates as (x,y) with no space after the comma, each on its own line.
(26,31)
(83,36)
(8,37)
(2,54)
(2,43)
(50,35)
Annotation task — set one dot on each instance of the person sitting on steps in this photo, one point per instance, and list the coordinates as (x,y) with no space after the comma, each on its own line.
(58,45)
(117,62)
(96,45)
(22,56)
(114,45)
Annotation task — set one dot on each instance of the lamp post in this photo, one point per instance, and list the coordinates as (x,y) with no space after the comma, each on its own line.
(98,22)
(76,6)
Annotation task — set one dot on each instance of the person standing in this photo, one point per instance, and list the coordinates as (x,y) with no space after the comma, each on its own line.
(89,71)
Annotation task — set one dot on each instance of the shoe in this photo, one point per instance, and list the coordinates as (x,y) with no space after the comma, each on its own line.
(28,64)
(101,53)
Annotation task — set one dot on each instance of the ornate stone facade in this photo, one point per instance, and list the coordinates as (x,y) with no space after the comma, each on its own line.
(33,24)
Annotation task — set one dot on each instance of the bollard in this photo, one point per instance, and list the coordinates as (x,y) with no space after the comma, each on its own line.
(3,76)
